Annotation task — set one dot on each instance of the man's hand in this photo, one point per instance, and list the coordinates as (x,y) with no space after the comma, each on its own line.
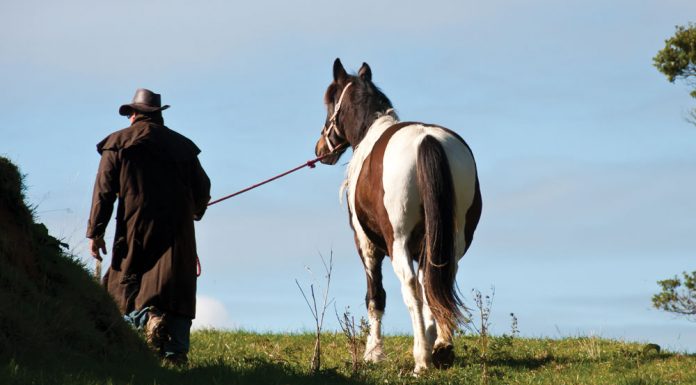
(95,245)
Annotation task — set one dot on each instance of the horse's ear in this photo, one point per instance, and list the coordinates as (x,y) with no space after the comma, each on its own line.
(339,72)
(365,72)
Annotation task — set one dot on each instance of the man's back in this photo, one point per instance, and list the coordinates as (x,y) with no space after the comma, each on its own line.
(159,172)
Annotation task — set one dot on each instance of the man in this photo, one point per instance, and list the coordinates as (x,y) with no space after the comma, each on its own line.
(161,189)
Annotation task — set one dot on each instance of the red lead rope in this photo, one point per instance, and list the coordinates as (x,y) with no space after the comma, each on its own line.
(310,163)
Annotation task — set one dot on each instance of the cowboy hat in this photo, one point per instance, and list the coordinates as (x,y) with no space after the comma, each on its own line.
(143,101)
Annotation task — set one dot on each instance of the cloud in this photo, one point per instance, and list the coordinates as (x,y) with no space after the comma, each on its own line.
(211,313)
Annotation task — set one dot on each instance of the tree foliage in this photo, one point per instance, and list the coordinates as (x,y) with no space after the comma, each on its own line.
(678,296)
(678,59)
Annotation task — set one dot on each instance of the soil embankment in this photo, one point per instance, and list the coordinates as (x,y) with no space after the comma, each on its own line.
(53,315)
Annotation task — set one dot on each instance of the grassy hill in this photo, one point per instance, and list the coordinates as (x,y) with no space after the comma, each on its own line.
(58,326)
(54,318)
(238,357)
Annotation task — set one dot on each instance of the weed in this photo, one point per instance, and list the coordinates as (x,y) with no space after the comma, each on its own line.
(356,335)
(484,305)
(318,312)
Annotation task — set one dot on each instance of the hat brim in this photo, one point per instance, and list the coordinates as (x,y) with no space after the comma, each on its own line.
(127,109)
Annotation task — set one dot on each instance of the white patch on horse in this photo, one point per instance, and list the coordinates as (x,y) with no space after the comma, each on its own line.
(373,348)
(360,153)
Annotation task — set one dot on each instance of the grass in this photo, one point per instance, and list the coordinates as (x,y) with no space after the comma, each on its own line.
(238,357)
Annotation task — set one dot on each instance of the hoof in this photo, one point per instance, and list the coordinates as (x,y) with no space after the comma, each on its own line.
(374,355)
(419,370)
(443,356)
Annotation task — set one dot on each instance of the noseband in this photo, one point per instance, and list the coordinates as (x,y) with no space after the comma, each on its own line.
(333,126)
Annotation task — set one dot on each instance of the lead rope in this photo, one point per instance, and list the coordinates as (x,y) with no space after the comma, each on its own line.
(310,163)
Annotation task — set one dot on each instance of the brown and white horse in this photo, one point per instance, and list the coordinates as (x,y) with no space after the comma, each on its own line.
(413,194)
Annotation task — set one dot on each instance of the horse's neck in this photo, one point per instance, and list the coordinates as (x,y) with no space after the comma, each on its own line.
(362,150)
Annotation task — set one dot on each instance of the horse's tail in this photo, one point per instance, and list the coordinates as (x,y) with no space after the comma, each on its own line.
(438,260)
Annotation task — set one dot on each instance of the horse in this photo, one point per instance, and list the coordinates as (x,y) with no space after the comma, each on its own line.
(413,194)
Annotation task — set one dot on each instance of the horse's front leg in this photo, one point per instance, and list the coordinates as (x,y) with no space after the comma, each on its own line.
(375,298)
(410,289)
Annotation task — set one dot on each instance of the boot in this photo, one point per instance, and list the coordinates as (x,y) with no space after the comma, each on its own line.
(178,360)
(156,330)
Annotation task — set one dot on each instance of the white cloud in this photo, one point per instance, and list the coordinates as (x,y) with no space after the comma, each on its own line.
(211,313)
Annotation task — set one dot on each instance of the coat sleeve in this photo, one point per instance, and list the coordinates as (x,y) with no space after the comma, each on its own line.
(106,187)
(201,189)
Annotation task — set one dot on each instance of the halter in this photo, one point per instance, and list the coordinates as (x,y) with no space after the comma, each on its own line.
(332,121)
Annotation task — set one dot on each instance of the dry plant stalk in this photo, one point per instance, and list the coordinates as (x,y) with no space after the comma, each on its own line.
(317,312)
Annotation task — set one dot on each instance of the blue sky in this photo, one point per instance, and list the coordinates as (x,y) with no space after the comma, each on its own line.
(585,158)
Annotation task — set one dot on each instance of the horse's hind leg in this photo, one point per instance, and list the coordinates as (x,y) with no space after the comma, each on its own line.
(431,331)
(411,291)
(375,301)
(442,347)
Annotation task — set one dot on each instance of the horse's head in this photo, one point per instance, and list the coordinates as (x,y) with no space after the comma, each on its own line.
(352,103)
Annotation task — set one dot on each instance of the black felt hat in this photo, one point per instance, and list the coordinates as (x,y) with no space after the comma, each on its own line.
(143,101)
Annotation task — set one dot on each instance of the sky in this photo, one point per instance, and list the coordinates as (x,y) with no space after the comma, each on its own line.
(584,154)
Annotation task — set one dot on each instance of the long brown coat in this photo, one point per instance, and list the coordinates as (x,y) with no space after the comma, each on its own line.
(161,188)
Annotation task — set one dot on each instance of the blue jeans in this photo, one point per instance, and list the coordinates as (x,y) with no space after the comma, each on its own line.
(178,329)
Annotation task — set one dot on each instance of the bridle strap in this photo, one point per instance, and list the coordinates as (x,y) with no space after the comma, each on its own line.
(337,107)
(332,121)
